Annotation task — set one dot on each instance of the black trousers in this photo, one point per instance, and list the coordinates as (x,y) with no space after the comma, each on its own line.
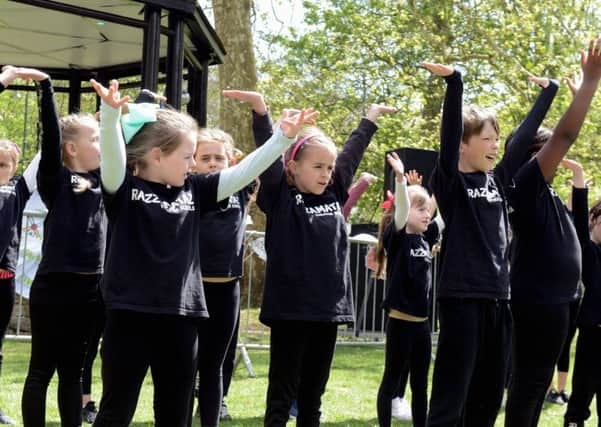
(408,345)
(214,337)
(300,358)
(586,381)
(563,363)
(132,343)
(535,350)
(97,327)
(471,362)
(59,331)
(7,303)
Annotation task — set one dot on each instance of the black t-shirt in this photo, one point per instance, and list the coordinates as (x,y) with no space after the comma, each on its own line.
(474,258)
(75,226)
(546,257)
(408,269)
(222,237)
(308,273)
(13,197)
(153,262)
(474,244)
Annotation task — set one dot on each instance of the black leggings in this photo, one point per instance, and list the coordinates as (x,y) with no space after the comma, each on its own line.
(586,381)
(230,359)
(300,357)
(132,343)
(408,344)
(535,350)
(59,309)
(214,337)
(7,303)
(98,319)
(563,363)
(471,362)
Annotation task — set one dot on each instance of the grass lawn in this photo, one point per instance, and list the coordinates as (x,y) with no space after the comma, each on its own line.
(350,399)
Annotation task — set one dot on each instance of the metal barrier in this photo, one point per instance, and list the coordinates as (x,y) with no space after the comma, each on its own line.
(368,292)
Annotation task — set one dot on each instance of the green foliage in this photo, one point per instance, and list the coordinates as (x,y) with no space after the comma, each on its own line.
(350,53)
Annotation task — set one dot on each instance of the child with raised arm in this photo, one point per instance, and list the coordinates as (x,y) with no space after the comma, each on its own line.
(64,289)
(14,193)
(546,258)
(407,238)
(471,360)
(586,381)
(307,285)
(221,247)
(153,284)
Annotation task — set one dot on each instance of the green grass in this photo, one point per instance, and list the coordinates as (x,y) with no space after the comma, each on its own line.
(350,399)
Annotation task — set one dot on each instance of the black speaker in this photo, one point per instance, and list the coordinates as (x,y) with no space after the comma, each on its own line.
(423,161)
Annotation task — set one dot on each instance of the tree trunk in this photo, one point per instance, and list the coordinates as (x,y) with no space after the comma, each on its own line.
(233,25)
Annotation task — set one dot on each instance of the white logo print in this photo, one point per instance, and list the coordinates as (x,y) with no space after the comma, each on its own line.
(234,202)
(491,195)
(299,199)
(184,202)
(419,253)
(328,209)
(7,189)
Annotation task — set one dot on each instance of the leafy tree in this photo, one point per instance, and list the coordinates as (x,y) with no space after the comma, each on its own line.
(350,53)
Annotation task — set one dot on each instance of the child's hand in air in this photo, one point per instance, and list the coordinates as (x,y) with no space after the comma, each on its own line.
(291,125)
(255,99)
(397,166)
(439,70)
(413,178)
(110,96)
(375,110)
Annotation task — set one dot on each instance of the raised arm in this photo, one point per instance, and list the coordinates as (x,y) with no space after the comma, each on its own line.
(236,177)
(349,158)
(520,141)
(356,191)
(579,201)
(261,123)
(451,129)
(112,146)
(401,196)
(568,128)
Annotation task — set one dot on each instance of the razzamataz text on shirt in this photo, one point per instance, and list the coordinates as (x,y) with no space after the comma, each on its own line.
(184,201)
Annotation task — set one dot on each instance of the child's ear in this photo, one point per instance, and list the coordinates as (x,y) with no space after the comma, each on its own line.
(70,149)
(154,155)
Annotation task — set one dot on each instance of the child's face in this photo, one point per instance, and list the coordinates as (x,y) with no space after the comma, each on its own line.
(7,167)
(479,153)
(85,148)
(175,166)
(211,156)
(313,171)
(419,218)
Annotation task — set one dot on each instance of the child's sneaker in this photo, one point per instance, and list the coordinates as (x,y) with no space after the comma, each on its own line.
(564,396)
(224,414)
(5,419)
(554,397)
(293,409)
(89,412)
(401,409)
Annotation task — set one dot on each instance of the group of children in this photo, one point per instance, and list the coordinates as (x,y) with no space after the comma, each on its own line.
(145,223)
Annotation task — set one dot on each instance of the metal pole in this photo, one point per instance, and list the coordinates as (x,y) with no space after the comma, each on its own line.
(151,48)
(175,60)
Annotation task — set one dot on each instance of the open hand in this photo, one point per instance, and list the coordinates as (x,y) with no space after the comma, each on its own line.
(375,110)
(110,96)
(397,166)
(440,70)
(255,99)
(291,124)
(541,81)
(574,82)
(413,178)
(591,61)
(27,74)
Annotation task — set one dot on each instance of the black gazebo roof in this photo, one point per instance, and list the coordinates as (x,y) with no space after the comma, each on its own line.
(76,40)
